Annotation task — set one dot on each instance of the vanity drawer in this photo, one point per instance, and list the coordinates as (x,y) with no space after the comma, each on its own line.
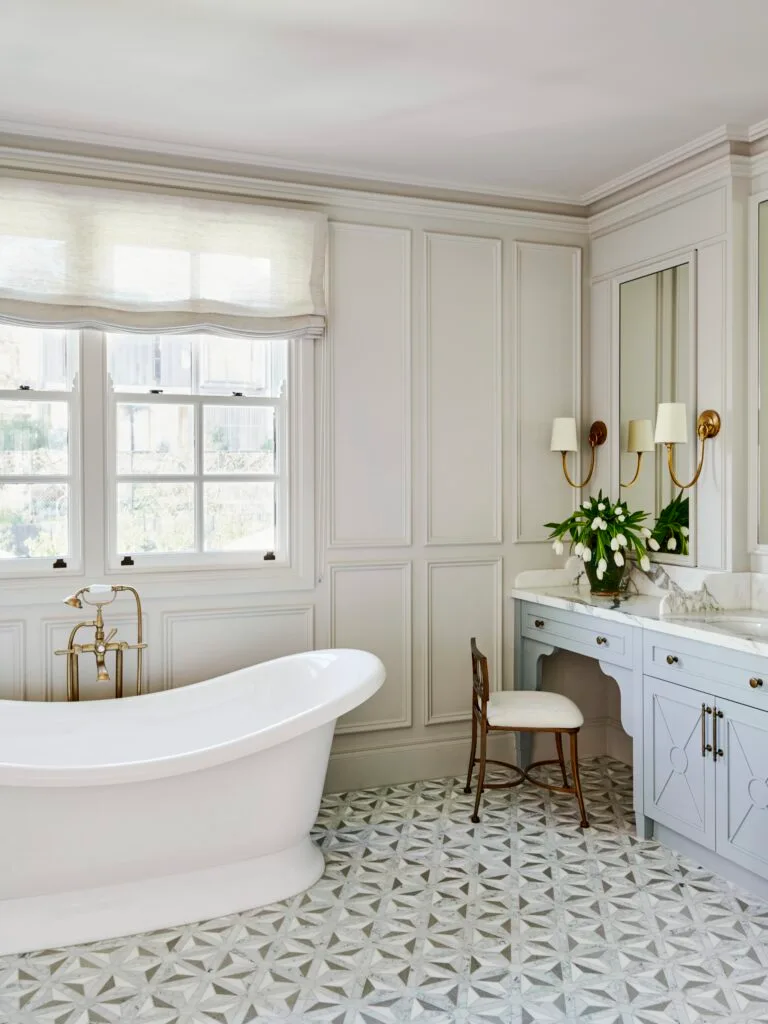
(727,673)
(573,631)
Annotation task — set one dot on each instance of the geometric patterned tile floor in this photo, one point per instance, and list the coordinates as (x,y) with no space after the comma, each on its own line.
(422,916)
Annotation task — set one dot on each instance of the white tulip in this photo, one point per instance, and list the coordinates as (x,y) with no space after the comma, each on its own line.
(618,510)
(671,544)
(558,547)
(603,524)
(653,544)
(600,574)
(614,543)
(586,554)
(684,530)
(585,504)
(622,518)
(578,549)
(621,539)
(618,558)
(601,507)
(645,532)
(602,565)
(645,563)
(596,523)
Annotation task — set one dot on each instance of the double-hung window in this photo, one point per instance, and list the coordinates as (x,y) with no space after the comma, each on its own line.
(156,381)
(197,460)
(39,449)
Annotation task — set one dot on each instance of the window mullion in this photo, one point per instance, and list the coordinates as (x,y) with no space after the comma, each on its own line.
(199,510)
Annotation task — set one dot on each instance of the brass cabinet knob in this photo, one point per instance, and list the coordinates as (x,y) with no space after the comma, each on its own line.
(601,640)
(755,683)
(672,659)
(539,623)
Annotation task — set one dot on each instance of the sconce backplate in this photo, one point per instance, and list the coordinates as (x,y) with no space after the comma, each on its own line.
(708,424)
(598,433)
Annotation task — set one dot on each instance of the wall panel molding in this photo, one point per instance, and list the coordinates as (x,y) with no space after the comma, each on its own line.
(13,659)
(464,599)
(547,379)
(463,401)
(369,488)
(363,623)
(299,620)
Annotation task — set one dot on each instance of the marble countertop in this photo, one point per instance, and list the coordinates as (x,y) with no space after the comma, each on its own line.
(644,611)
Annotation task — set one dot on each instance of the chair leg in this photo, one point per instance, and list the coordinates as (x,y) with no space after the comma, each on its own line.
(480,774)
(468,787)
(561,759)
(577,779)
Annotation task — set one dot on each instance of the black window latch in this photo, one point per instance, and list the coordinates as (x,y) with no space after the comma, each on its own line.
(127,560)
(59,564)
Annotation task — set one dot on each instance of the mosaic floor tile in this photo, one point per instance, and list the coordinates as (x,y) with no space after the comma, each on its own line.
(422,916)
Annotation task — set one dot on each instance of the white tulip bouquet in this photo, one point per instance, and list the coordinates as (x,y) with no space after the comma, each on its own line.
(604,533)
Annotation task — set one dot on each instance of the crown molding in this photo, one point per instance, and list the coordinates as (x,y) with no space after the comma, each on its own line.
(261,166)
(715,173)
(122,171)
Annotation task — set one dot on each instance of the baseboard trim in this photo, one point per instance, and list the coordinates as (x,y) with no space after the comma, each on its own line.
(430,759)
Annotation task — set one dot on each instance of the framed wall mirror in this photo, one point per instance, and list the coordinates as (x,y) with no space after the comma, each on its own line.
(657,363)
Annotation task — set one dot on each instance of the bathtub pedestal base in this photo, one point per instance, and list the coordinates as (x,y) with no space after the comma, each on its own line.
(71,918)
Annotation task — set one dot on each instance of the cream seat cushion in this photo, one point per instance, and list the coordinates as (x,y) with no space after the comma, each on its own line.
(533,709)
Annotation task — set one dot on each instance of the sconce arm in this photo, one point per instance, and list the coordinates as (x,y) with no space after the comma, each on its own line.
(637,472)
(588,477)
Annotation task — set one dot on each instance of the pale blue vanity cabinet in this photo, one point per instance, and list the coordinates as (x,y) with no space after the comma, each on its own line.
(695,702)
(705,721)
(679,781)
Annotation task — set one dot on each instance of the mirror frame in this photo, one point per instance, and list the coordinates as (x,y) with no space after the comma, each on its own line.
(645,269)
(758,552)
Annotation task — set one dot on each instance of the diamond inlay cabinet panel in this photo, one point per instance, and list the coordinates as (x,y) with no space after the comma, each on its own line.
(422,916)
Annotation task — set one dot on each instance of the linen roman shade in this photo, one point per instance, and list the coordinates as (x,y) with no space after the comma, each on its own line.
(80,256)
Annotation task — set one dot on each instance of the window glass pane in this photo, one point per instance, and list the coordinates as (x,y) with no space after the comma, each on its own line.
(34,520)
(36,358)
(251,365)
(34,438)
(155,438)
(239,439)
(139,362)
(155,517)
(240,517)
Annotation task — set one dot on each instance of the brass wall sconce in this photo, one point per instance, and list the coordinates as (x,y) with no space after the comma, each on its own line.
(564,440)
(97,595)
(639,440)
(672,429)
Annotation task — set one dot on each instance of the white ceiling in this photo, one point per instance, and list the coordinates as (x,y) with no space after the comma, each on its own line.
(519,97)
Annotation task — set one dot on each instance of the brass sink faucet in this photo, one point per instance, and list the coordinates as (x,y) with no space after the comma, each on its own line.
(99,594)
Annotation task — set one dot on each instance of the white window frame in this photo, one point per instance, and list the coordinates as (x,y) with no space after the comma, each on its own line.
(39,567)
(93,497)
(197,401)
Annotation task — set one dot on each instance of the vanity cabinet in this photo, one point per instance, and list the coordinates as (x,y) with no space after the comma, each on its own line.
(705,754)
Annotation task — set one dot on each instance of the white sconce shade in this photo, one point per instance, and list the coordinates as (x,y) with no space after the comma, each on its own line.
(640,436)
(564,435)
(671,423)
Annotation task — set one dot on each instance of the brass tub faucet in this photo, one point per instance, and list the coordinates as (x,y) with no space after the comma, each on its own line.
(97,595)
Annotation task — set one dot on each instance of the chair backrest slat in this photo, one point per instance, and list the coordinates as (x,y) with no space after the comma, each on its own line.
(480,684)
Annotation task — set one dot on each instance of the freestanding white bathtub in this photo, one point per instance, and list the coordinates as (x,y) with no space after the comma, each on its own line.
(126,815)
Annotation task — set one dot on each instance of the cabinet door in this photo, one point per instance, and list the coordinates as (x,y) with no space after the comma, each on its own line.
(742,786)
(679,781)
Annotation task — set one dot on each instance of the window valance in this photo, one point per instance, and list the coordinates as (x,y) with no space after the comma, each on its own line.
(81,256)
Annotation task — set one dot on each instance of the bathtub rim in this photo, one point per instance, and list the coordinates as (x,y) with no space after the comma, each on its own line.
(52,775)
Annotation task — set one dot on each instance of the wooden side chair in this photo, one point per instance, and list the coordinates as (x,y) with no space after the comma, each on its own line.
(521,711)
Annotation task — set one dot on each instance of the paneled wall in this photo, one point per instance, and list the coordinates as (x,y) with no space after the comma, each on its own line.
(455,338)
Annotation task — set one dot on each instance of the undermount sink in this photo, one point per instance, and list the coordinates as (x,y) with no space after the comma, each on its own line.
(741,625)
